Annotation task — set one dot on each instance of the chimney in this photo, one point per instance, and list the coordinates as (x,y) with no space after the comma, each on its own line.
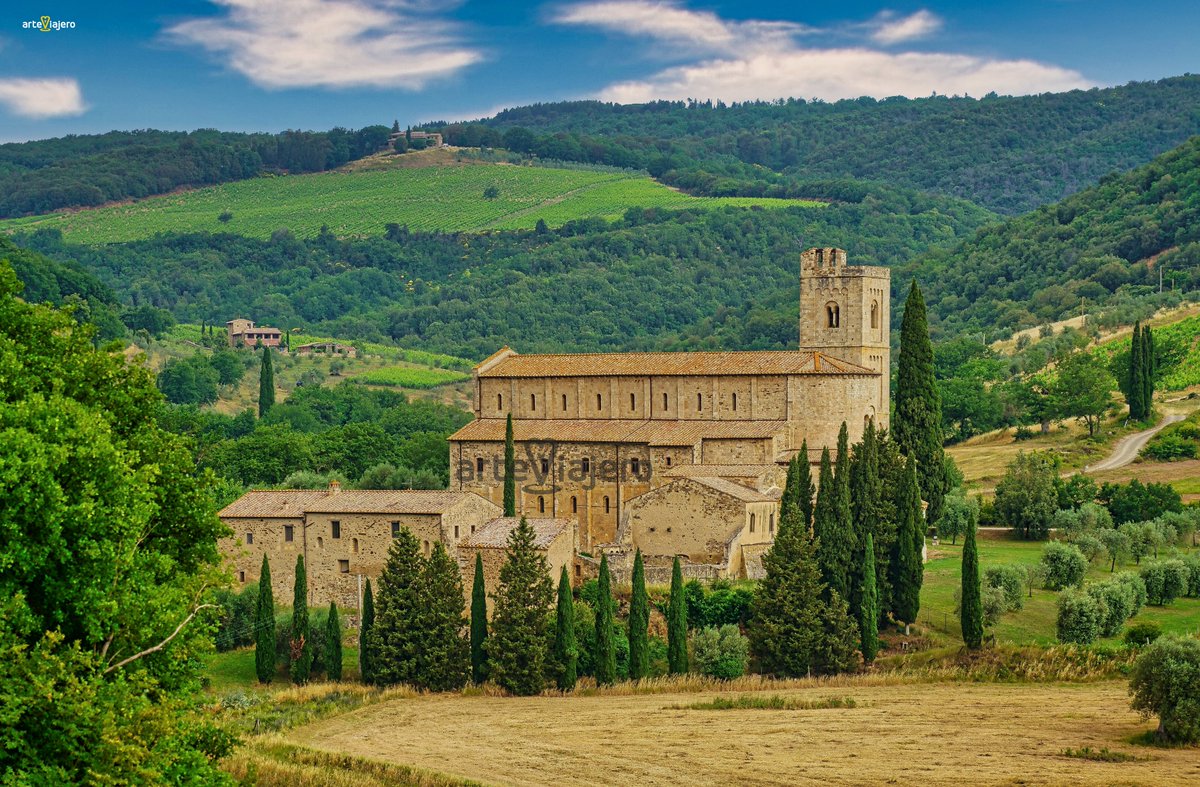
(334,487)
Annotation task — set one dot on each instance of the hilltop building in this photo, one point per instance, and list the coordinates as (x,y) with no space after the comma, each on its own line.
(243,333)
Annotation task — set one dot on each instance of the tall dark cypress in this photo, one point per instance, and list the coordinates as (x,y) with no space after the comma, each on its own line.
(510,470)
(866,489)
(831,529)
(907,567)
(1136,396)
(1149,366)
(790,501)
(639,622)
(264,626)
(868,609)
(364,635)
(444,658)
(606,653)
(805,490)
(519,642)
(478,624)
(918,423)
(844,513)
(301,641)
(566,650)
(677,648)
(971,607)
(333,644)
(266,384)
(395,638)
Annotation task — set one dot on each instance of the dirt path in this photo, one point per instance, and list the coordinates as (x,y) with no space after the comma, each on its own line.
(931,734)
(1128,448)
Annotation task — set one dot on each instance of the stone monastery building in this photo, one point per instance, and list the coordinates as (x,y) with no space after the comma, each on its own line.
(678,454)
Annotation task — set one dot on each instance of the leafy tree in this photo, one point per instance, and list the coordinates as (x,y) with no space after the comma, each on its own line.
(301,645)
(959,514)
(721,653)
(366,659)
(479,629)
(510,472)
(1083,389)
(606,657)
(1137,502)
(395,637)
(1064,566)
(971,608)
(868,617)
(1166,683)
(151,319)
(917,425)
(1116,544)
(907,569)
(1117,600)
(333,644)
(638,623)
(264,626)
(1011,580)
(444,659)
(266,384)
(517,646)
(566,652)
(228,367)
(677,646)
(188,381)
(1026,498)
(1080,616)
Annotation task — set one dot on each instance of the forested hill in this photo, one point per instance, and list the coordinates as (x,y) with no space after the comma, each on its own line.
(1100,246)
(79,171)
(1010,154)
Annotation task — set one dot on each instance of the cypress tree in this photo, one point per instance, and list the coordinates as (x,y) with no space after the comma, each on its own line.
(831,529)
(790,501)
(865,492)
(395,638)
(444,657)
(566,651)
(639,622)
(364,636)
(518,645)
(677,652)
(266,384)
(478,624)
(1149,365)
(844,515)
(510,470)
(1137,375)
(333,644)
(868,611)
(301,641)
(606,651)
(907,568)
(918,422)
(971,606)
(264,626)
(805,491)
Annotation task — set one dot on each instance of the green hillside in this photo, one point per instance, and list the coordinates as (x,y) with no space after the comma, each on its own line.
(361,203)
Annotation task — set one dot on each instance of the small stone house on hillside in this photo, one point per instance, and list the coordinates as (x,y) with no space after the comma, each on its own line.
(343,534)
(243,333)
(554,538)
(327,348)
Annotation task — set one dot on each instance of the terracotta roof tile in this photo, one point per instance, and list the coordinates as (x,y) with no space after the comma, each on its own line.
(651,432)
(647,364)
(294,503)
(724,471)
(494,534)
(733,489)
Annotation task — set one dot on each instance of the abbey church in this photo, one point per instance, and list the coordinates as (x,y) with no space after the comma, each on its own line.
(678,454)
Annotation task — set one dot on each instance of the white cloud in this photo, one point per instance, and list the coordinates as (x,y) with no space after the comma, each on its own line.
(41,98)
(746,60)
(892,30)
(332,43)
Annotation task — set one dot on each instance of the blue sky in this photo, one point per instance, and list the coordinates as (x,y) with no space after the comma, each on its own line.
(276,64)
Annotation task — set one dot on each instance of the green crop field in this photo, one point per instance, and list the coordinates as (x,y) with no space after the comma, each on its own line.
(410,377)
(362,203)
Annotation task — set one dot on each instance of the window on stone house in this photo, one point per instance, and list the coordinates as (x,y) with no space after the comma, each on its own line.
(735,401)
(499,401)
(666,405)
(585,465)
(355,543)
(668,461)
(545,466)
(249,538)
(574,505)
(320,543)
(635,466)
(541,504)
(770,523)
(479,466)
(564,401)
(456,532)
(343,566)
(599,402)
(632,401)
(395,529)
(427,548)
(242,576)
(699,402)
(289,533)
(532,401)
(606,504)
(874,314)
(335,529)
(752,523)
(833,313)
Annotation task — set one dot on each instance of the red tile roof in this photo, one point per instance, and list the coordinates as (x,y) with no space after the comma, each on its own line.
(649,432)
(647,364)
(494,534)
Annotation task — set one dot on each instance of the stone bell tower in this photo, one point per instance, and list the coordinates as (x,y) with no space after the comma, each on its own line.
(845,312)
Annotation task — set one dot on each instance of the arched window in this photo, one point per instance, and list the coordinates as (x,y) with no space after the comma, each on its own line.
(599,402)
(499,401)
(320,542)
(699,402)
(635,466)
(735,401)
(834,314)
(564,403)
(356,545)
(666,406)
(606,505)
(541,504)
(752,523)
(874,314)
(771,523)
(574,505)
(632,401)
(532,401)
(426,549)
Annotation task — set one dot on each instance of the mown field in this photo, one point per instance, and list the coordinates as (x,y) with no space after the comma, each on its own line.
(445,198)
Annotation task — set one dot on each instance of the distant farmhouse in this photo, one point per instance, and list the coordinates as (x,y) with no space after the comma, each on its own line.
(432,139)
(243,333)
(326,348)
(678,454)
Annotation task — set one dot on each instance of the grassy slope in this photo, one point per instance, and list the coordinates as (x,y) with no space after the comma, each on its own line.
(448,198)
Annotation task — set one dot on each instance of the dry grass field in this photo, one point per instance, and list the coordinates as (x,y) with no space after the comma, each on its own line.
(927,733)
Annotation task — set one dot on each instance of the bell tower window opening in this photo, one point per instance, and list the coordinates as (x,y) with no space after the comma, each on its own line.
(699,402)
(875,314)
(599,402)
(735,401)
(632,401)
(532,401)
(833,315)
(499,401)
(666,406)
(564,400)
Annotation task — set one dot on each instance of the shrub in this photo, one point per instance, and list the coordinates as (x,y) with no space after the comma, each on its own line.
(1169,447)
(1193,569)
(1138,587)
(1079,617)
(1064,565)
(235,629)
(317,624)
(1166,683)
(721,652)
(1091,546)
(1010,579)
(1165,581)
(1142,634)
(1118,600)
(995,603)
